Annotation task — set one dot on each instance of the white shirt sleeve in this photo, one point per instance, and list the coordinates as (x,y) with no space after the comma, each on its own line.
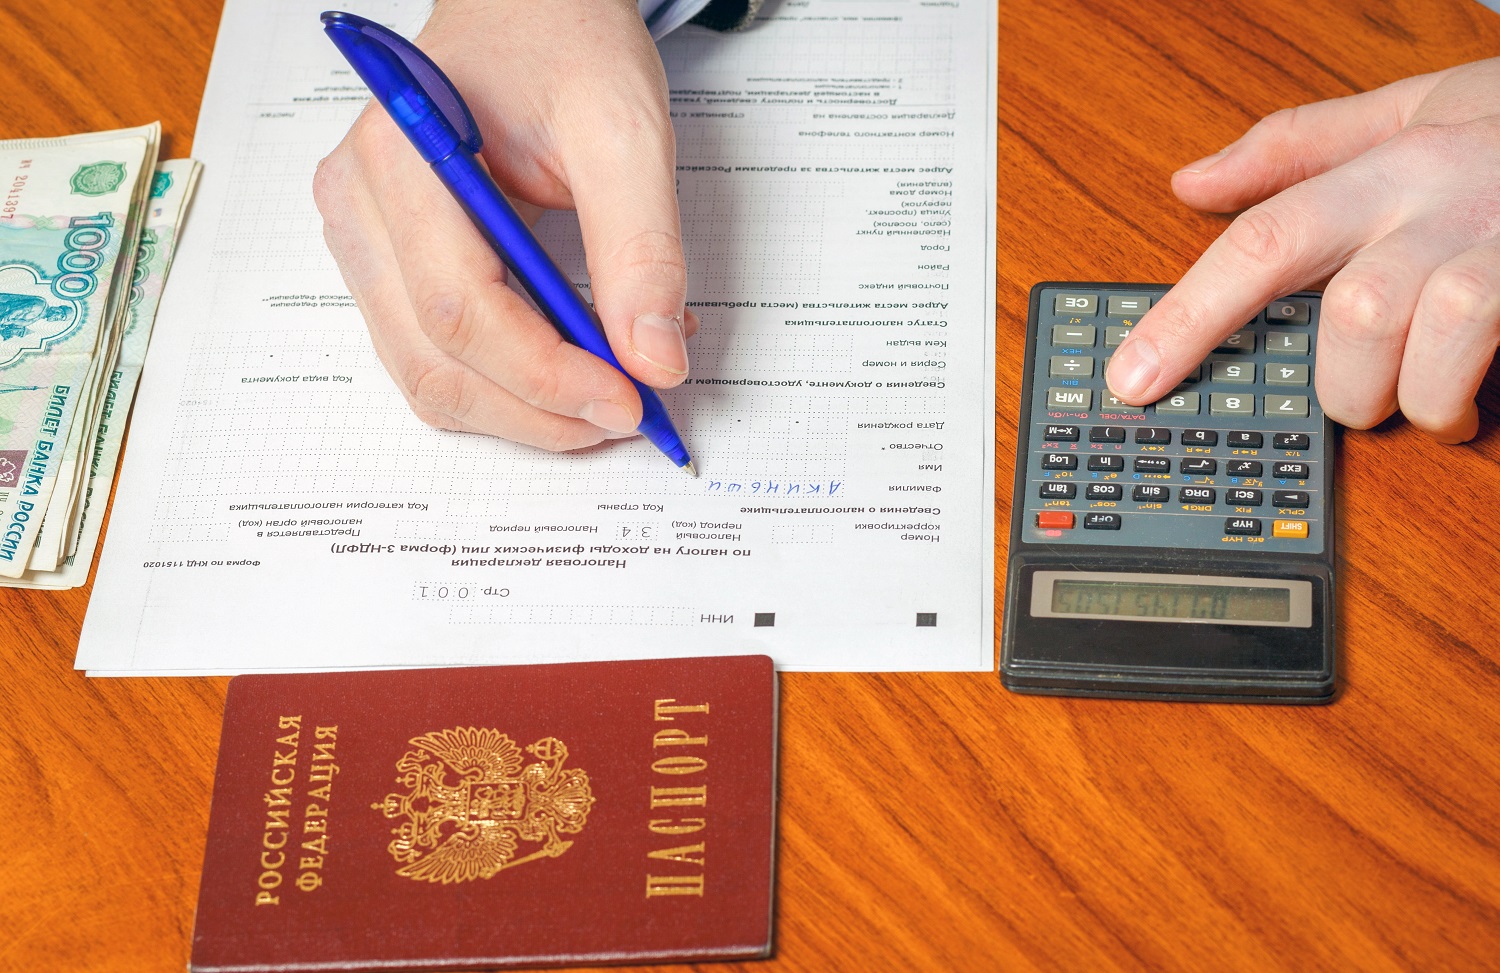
(664,16)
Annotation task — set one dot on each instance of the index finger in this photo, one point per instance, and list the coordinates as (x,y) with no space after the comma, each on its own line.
(1297,237)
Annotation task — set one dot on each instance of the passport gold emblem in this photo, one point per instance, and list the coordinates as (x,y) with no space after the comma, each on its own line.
(470,800)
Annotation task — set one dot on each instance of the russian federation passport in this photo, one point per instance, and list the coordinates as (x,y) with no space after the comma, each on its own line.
(438,819)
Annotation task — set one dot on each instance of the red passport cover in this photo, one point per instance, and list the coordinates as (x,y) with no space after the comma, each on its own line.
(437,819)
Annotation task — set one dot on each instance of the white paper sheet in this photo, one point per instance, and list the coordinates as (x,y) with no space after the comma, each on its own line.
(280,509)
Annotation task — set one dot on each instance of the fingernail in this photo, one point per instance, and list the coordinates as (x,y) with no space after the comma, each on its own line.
(658,339)
(1203,164)
(1133,369)
(607,415)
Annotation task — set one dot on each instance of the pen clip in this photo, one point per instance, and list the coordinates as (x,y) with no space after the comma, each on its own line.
(429,78)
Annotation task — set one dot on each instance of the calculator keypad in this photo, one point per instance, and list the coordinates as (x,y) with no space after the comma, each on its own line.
(1188,471)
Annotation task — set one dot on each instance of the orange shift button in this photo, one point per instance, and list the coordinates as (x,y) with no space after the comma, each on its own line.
(1055,519)
(1289,528)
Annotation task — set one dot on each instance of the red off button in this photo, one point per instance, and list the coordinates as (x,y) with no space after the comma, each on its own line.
(1055,520)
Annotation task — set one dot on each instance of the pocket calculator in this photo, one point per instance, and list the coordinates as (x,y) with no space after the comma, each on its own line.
(1180,550)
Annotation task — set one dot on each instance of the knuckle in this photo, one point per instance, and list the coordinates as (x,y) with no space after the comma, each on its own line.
(1432,141)
(1278,124)
(651,257)
(331,186)
(1357,302)
(1265,236)
(559,437)
(538,386)
(447,315)
(434,419)
(1460,300)
(436,386)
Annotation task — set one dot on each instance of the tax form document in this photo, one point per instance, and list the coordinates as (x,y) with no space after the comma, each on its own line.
(281,509)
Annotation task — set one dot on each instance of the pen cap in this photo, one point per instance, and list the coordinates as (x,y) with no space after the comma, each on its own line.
(413,90)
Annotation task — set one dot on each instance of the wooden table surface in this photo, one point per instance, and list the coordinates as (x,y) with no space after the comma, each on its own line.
(937,821)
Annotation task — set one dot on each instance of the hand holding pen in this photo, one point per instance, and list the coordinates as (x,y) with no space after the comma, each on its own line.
(577,115)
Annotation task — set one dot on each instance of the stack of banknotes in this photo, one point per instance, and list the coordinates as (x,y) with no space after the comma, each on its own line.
(88,225)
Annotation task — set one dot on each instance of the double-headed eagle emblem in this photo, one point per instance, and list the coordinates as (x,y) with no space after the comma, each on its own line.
(470,802)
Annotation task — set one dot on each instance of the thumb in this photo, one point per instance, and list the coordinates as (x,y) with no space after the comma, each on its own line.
(626,197)
(1295,144)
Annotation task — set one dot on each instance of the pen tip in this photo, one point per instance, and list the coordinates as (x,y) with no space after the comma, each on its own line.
(692,470)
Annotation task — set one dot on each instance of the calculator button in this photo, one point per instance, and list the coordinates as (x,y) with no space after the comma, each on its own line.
(1104,491)
(1226,371)
(1055,520)
(1286,342)
(1290,498)
(1114,335)
(1291,471)
(1245,440)
(1109,403)
(1200,437)
(1097,521)
(1291,440)
(1198,466)
(1191,376)
(1150,493)
(1059,461)
(1288,312)
(1239,341)
(1060,434)
(1153,435)
(1243,467)
(1058,398)
(1107,434)
(1279,374)
(1179,403)
(1128,305)
(1153,464)
(1196,495)
(1073,334)
(1056,490)
(1070,366)
(1231,404)
(1287,405)
(1112,463)
(1242,525)
(1244,498)
(1083,305)
(1289,528)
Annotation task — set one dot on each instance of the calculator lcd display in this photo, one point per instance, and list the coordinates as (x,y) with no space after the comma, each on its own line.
(1185,599)
(1151,600)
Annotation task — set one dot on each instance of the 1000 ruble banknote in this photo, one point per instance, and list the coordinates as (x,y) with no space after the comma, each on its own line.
(51,567)
(69,226)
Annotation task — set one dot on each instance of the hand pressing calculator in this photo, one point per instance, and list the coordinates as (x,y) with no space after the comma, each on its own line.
(1180,550)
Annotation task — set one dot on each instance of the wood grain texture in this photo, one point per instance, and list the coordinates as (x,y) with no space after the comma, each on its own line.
(936,821)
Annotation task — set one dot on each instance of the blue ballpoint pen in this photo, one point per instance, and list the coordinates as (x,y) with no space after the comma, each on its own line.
(428,110)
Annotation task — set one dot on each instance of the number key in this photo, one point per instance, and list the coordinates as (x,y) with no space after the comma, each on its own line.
(1224,371)
(1287,405)
(1227,404)
(1287,342)
(1279,374)
(1239,341)
(1179,403)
